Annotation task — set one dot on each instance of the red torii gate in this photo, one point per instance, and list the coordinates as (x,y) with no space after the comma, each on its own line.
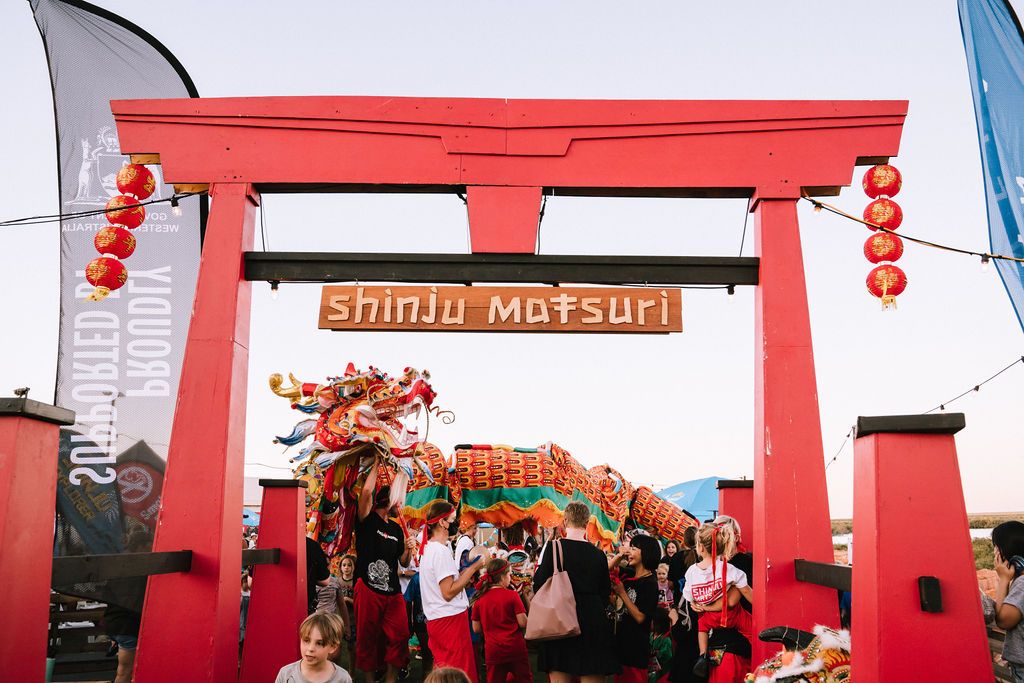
(505,153)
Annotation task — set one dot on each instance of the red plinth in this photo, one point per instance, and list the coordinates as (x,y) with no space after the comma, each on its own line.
(29,436)
(278,602)
(909,521)
(736,499)
(190,621)
(791,518)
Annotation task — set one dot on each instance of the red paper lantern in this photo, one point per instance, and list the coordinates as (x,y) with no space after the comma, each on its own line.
(883,246)
(115,241)
(137,180)
(887,282)
(884,212)
(105,274)
(129,218)
(882,180)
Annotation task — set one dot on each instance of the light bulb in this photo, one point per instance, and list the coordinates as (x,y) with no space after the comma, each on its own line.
(731,291)
(984,263)
(273,289)
(175,209)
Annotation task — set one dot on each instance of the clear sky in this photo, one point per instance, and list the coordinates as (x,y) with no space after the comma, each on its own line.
(663,409)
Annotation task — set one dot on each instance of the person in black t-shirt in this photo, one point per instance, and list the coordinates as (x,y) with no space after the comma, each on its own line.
(317,573)
(639,596)
(381,620)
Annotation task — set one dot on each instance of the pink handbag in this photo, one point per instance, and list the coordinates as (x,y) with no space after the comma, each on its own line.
(553,608)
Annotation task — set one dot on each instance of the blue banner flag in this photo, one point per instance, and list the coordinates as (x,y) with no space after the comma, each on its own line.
(994,43)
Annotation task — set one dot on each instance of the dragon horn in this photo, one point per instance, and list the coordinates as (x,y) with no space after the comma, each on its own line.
(293,393)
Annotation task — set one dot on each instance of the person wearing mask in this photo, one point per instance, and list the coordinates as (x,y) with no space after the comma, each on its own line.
(590,656)
(443,593)
(381,621)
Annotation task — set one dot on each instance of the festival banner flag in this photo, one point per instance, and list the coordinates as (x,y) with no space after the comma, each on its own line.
(994,43)
(120,358)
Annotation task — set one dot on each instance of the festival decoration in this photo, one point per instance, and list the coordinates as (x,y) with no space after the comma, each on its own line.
(137,180)
(358,422)
(883,246)
(116,241)
(882,180)
(887,282)
(131,217)
(885,213)
(105,274)
(826,659)
(502,485)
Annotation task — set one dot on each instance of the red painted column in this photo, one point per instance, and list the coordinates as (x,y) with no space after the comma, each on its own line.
(190,620)
(29,437)
(736,499)
(910,521)
(791,518)
(503,219)
(278,602)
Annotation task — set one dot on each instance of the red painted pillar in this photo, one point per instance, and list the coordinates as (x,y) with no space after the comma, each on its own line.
(736,499)
(503,219)
(29,437)
(201,506)
(278,602)
(791,518)
(909,521)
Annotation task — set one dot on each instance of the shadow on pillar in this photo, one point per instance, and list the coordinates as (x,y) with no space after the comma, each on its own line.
(916,612)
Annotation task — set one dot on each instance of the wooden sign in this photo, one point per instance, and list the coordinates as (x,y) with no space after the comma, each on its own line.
(502,309)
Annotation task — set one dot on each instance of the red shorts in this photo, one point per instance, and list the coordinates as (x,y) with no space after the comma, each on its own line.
(515,671)
(382,629)
(631,674)
(732,669)
(451,645)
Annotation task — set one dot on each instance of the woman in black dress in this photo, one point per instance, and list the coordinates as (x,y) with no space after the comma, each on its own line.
(590,655)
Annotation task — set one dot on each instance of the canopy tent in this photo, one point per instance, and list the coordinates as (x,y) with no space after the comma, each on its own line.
(699,497)
(250,517)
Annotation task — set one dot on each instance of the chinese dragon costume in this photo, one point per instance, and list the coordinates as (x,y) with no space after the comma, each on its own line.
(357,419)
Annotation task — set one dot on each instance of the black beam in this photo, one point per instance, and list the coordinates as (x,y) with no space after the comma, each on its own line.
(26,407)
(505,268)
(937,423)
(735,484)
(261,555)
(89,568)
(838,576)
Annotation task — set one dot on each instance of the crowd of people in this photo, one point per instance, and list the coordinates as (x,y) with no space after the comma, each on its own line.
(645,612)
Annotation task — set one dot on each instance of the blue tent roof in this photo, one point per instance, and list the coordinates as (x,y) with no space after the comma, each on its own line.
(698,497)
(250,517)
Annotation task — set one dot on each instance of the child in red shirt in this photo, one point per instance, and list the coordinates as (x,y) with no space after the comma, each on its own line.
(499,614)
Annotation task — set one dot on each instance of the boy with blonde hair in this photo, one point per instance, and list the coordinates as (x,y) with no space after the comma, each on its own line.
(319,640)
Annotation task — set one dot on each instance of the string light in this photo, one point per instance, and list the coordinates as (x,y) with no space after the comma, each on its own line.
(731,291)
(273,289)
(57,217)
(984,263)
(917,240)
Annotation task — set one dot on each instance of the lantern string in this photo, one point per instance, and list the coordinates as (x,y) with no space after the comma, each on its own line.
(818,205)
(942,406)
(976,387)
(56,217)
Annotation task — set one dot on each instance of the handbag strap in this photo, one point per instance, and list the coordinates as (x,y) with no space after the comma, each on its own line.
(557,560)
